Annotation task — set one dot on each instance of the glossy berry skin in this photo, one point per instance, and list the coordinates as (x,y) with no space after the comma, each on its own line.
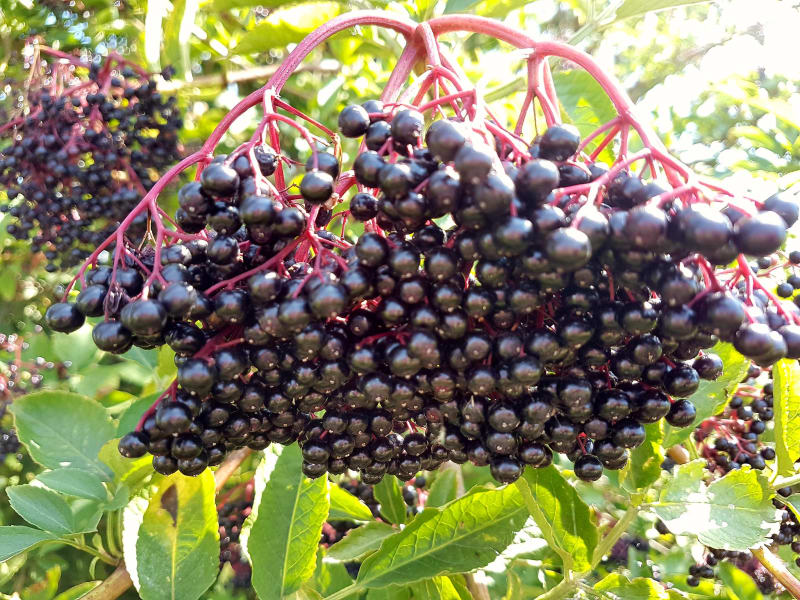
(316,187)
(353,121)
(112,336)
(133,445)
(681,414)
(64,317)
(760,234)
(559,142)
(588,468)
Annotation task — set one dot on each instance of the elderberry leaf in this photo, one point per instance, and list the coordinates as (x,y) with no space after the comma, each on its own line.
(644,465)
(360,541)
(42,508)
(564,519)
(283,530)
(61,429)
(740,585)
(286,26)
(466,534)
(444,488)
(440,588)
(78,591)
(786,384)
(345,505)
(130,418)
(618,587)
(329,577)
(712,396)
(74,482)
(390,497)
(733,513)
(15,539)
(637,8)
(170,539)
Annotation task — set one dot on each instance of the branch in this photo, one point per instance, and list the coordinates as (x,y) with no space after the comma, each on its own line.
(112,587)
(775,566)
(119,581)
(242,76)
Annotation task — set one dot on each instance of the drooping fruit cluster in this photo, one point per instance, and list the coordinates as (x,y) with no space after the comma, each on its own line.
(506,300)
(88,143)
(232,515)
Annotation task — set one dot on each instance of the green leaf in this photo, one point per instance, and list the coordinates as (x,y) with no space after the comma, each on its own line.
(130,418)
(390,497)
(284,527)
(78,591)
(644,466)
(712,396)
(345,505)
(61,429)
(438,588)
(74,482)
(564,519)
(147,358)
(738,584)
(619,587)
(220,5)
(733,513)
(391,593)
(583,100)
(460,6)
(464,535)
(170,540)
(444,488)
(127,471)
(42,508)
(77,348)
(287,26)
(786,380)
(360,541)
(18,538)
(329,577)
(637,8)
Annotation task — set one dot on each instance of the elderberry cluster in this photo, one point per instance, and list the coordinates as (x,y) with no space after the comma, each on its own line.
(732,439)
(77,162)
(537,321)
(231,518)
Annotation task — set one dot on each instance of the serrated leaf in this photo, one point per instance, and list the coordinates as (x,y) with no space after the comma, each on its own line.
(619,587)
(564,519)
(644,465)
(42,508)
(464,535)
(287,26)
(360,541)
(15,539)
(74,482)
(390,497)
(712,396)
(786,385)
(637,8)
(444,488)
(171,539)
(733,513)
(284,527)
(738,584)
(345,505)
(61,429)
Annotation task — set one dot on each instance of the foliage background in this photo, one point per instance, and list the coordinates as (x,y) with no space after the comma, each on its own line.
(715,78)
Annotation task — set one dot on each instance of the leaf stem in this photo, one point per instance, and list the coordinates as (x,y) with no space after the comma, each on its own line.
(780,482)
(778,569)
(564,587)
(611,538)
(109,560)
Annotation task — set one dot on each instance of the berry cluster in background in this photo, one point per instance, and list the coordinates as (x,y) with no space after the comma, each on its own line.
(86,144)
